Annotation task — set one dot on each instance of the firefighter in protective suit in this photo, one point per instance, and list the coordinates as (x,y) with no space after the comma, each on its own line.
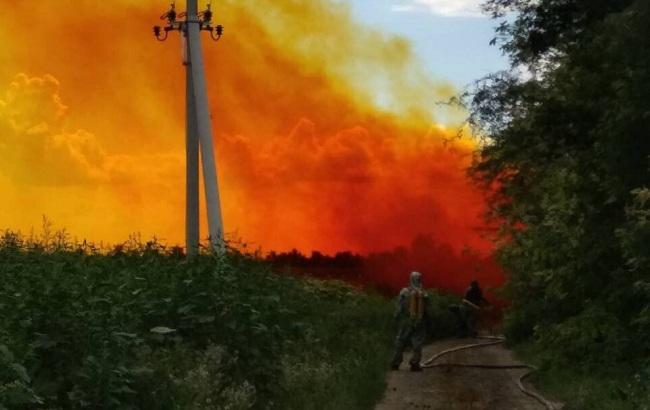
(411,315)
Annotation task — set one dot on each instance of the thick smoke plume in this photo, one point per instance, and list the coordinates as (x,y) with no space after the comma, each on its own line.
(328,134)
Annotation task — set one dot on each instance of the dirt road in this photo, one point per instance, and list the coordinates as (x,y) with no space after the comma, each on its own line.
(459,388)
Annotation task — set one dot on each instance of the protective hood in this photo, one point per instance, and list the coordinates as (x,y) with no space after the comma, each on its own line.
(416,280)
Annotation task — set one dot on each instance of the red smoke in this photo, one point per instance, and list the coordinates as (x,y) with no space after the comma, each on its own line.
(399,197)
(364,189)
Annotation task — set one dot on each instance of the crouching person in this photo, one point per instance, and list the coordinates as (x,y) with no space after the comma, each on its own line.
(411,315)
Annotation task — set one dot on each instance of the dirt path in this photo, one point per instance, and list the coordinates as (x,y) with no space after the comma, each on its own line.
(459,388)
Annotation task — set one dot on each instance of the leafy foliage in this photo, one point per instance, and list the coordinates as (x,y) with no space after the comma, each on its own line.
(567,155)
(15,390)
(140,327)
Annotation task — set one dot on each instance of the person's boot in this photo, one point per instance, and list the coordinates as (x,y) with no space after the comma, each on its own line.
(415,367)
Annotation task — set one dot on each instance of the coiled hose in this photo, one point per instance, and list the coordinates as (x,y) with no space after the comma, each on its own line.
(429,363)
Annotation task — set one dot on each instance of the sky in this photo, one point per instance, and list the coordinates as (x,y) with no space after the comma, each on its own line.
(328,130)
(451,37)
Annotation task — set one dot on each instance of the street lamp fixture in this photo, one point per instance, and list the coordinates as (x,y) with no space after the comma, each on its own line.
(204,20)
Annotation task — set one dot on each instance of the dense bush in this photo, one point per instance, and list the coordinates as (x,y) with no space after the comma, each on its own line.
(567,155)
(140,327)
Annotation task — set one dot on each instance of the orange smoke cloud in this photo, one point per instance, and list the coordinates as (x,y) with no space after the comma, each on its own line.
(362,188)
(328,134)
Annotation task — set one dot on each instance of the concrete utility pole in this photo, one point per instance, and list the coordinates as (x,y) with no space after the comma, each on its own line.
(198,122)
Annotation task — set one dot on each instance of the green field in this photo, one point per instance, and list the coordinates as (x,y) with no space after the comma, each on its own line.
(141,328)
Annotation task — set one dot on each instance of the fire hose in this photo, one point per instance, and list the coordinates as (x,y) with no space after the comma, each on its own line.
(429,363)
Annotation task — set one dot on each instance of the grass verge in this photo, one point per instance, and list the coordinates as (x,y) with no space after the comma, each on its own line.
(622,386)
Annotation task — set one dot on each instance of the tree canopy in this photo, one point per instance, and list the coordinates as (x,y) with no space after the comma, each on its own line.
(566,152)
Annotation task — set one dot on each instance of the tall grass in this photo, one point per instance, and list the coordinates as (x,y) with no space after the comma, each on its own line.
(138,327)
(579,385)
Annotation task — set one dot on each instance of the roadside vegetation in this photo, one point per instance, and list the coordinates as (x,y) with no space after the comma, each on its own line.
(567,154)
(140,328)
(136,326)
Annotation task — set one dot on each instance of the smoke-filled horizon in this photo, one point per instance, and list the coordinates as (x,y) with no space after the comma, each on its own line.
(329,135)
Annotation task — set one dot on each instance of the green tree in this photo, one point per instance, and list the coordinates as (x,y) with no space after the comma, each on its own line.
(565,155)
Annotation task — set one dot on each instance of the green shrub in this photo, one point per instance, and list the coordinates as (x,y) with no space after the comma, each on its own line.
(137,326)
(15,390)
